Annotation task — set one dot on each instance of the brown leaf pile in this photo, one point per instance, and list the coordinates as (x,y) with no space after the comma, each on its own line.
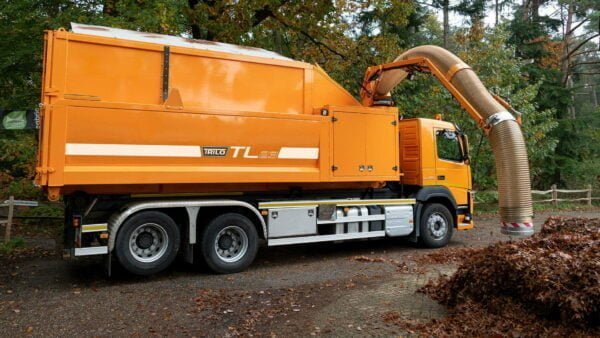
(502,317)
(555,275)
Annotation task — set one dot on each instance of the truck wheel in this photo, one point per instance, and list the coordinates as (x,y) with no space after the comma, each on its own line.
(436,225)
(147,243)
(229,243)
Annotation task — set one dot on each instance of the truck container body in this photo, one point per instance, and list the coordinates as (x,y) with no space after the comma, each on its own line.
(163,145)
(121,112)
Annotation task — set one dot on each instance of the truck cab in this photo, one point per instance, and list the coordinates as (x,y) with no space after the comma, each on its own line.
(435,165)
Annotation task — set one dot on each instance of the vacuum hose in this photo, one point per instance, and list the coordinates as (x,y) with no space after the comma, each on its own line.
(506,138)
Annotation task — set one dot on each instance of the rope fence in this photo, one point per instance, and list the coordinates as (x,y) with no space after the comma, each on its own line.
(11,203)
(554,198)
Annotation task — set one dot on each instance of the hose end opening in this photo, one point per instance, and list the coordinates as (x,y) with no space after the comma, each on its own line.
(524,229)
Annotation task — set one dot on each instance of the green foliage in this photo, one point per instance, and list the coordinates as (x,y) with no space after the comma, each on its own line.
(519,60)
(19,153)
(17,164)
(50,215)
(14,243)
(578,157)
(490,197)
(474,9)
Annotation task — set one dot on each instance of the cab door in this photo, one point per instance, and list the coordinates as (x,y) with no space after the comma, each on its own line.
(450,167)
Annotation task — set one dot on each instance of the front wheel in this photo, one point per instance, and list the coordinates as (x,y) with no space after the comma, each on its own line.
(229,243)
(436,225)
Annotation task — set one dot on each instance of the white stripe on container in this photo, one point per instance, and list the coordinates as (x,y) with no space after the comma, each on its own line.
(298,153)
(156,150)
(149,150)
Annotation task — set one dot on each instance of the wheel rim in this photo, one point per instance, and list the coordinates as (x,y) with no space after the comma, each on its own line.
(231,244)
(148,242)
(437,226)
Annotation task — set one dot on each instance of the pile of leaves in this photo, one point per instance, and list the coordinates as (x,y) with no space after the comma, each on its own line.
(502,317)
(554,275)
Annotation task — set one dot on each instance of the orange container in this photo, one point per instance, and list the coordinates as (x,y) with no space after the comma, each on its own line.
(127,112)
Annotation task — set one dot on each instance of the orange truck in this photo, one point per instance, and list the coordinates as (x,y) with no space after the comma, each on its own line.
(162,145)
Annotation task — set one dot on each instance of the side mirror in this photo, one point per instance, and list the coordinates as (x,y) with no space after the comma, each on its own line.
(465,148)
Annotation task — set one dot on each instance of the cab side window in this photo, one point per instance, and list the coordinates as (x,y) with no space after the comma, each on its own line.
(448,147)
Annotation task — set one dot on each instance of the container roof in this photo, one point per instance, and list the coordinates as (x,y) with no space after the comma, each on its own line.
(170,40)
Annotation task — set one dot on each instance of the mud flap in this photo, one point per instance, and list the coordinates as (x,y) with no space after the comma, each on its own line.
(414,236)
(108,264)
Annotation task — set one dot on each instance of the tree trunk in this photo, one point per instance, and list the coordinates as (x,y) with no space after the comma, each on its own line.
(110,8)
(525,10)
(535,8)
(571,108)
(446,10)
(497,12)
(566,43)
(196,32)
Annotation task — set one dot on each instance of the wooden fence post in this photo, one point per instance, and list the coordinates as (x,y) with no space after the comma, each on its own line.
(589,195)
(554,195)
(11,209)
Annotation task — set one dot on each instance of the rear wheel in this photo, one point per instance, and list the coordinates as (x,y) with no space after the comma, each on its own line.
(436,225)
(147,243)
(229,243)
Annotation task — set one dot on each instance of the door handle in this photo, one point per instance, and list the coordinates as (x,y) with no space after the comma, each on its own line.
(441,177)
(370,168)
(361,168)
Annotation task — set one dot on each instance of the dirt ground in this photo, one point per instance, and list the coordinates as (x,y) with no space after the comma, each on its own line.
(331,289)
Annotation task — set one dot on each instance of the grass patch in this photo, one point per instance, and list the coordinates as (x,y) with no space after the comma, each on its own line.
(12,245)
(43,215)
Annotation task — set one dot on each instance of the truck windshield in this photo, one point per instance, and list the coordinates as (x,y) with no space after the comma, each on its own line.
(448,147)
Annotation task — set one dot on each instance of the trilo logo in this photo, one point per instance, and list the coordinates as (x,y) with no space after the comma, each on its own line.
(215,151)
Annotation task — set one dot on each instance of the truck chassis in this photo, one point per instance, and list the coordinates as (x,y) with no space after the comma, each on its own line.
(145,235)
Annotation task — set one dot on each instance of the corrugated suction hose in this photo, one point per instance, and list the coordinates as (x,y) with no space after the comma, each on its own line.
(506,138)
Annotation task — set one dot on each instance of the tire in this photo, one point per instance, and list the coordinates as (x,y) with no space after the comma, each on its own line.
(436,225)
(147,243)
(229,243)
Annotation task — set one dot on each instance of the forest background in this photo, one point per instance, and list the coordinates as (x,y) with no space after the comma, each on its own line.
(542,55)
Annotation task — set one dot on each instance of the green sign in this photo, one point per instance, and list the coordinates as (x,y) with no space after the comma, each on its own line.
(15,120)
(18,119)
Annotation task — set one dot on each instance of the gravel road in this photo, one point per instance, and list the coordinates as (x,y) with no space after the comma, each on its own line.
(330,289)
